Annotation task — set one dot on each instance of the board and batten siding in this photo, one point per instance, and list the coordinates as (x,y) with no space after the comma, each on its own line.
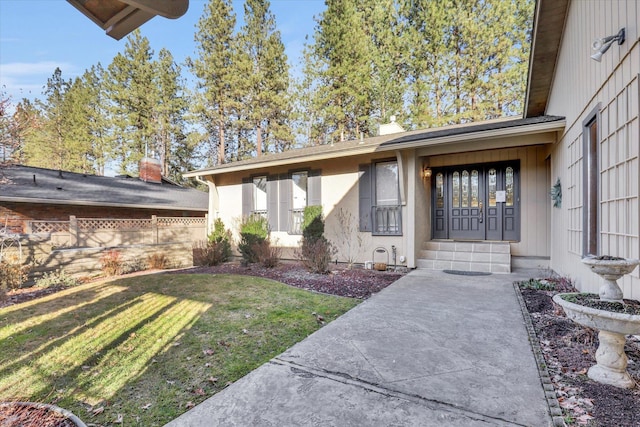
(580,86)
(534,192)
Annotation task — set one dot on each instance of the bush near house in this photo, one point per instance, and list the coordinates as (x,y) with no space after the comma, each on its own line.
(254,232)
(217,248)
(316,252)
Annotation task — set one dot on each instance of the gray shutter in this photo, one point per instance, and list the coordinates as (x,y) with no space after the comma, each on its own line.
(314,189)
(272,202)
(364,194)
(285,201)
(247,196)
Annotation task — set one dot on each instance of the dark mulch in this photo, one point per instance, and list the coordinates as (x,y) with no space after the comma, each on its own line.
(569,350)
(16,415)
(342,281)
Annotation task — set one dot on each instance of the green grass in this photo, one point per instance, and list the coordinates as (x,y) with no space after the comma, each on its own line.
(146,348)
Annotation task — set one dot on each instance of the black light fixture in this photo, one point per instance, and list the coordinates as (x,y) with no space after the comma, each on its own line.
(602,45)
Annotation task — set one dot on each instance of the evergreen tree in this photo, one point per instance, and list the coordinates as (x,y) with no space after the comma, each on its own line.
(50,145)
(266,100)
(132,93)
(341,57)
(171,142)
(468,59)
(216,71)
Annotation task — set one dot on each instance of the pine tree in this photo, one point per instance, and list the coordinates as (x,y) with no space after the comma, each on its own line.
(132,95)
(48,145)
(341,58)
(468,59)
(170,140)
(216,71)
(266,100)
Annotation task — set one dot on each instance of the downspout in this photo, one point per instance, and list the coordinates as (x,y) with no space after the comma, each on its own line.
(409,209)
(214,202)
(402,182)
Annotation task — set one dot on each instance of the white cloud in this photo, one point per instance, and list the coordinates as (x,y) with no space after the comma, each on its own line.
(26,79)
(17,69)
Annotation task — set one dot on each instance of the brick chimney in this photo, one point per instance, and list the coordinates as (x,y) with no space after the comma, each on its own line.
(150,170)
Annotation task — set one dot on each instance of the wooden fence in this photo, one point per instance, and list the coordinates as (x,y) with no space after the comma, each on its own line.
(78,244)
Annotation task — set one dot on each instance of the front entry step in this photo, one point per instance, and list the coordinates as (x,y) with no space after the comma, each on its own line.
(483,256)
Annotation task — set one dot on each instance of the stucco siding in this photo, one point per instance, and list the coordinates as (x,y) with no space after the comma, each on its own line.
(581,86)
(339,196)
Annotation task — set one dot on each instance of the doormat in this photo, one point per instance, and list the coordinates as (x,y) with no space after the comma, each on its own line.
(467,273)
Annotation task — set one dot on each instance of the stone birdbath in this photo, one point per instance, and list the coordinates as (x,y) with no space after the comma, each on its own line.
(613,326)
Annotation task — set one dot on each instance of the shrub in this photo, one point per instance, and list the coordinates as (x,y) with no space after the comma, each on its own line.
(268,255)
(312,223)
(158,261)
(112,263)
(316,251)
(316,255)
(216,249)
(12,276)
(56,278)
(221,237)
(254,230)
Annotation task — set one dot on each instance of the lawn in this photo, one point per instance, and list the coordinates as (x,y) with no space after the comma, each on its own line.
(143,350)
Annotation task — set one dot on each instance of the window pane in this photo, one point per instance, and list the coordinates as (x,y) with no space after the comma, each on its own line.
(260,193)
(456,190)
(465,189)
(492,187)
(439,191)
(299,180)
(509,186)
(474,189)
(387,183)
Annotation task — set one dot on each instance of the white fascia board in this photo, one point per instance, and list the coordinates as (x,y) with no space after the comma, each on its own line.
(365,148)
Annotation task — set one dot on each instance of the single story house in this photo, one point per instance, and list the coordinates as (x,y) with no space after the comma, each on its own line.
(477,196)
(30,193)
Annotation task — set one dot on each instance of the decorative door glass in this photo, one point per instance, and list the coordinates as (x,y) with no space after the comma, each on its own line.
(509,186)
(492,187)
(440,191)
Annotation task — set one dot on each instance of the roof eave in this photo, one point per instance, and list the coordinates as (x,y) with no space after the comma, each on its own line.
(94,203)
(556,125)
(548,27)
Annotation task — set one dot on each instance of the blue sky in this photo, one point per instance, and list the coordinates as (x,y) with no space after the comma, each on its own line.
(36,36)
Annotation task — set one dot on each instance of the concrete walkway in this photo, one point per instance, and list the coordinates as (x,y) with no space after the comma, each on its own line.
(433,349)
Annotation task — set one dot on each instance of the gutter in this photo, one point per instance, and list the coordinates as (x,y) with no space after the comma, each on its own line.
(92,203)
(388,145)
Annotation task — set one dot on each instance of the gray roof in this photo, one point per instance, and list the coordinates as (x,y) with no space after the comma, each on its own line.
(384,142)
(38,185)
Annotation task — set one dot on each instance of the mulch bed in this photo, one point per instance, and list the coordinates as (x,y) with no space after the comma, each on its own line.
(341,281)
(20,415)
(569,351)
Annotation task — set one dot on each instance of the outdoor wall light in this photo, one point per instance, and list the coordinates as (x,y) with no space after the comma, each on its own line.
(602,45)
(426,172)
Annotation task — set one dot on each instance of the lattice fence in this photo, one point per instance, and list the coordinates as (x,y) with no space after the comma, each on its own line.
(88,224)
(181,222)
(42,227)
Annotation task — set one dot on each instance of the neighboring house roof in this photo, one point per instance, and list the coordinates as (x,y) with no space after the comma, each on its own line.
(548,27)
(39,185)
(413,139)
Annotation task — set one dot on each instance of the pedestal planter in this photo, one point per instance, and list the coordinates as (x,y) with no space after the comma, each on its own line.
(31,414)
(611,269)
(611,367)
